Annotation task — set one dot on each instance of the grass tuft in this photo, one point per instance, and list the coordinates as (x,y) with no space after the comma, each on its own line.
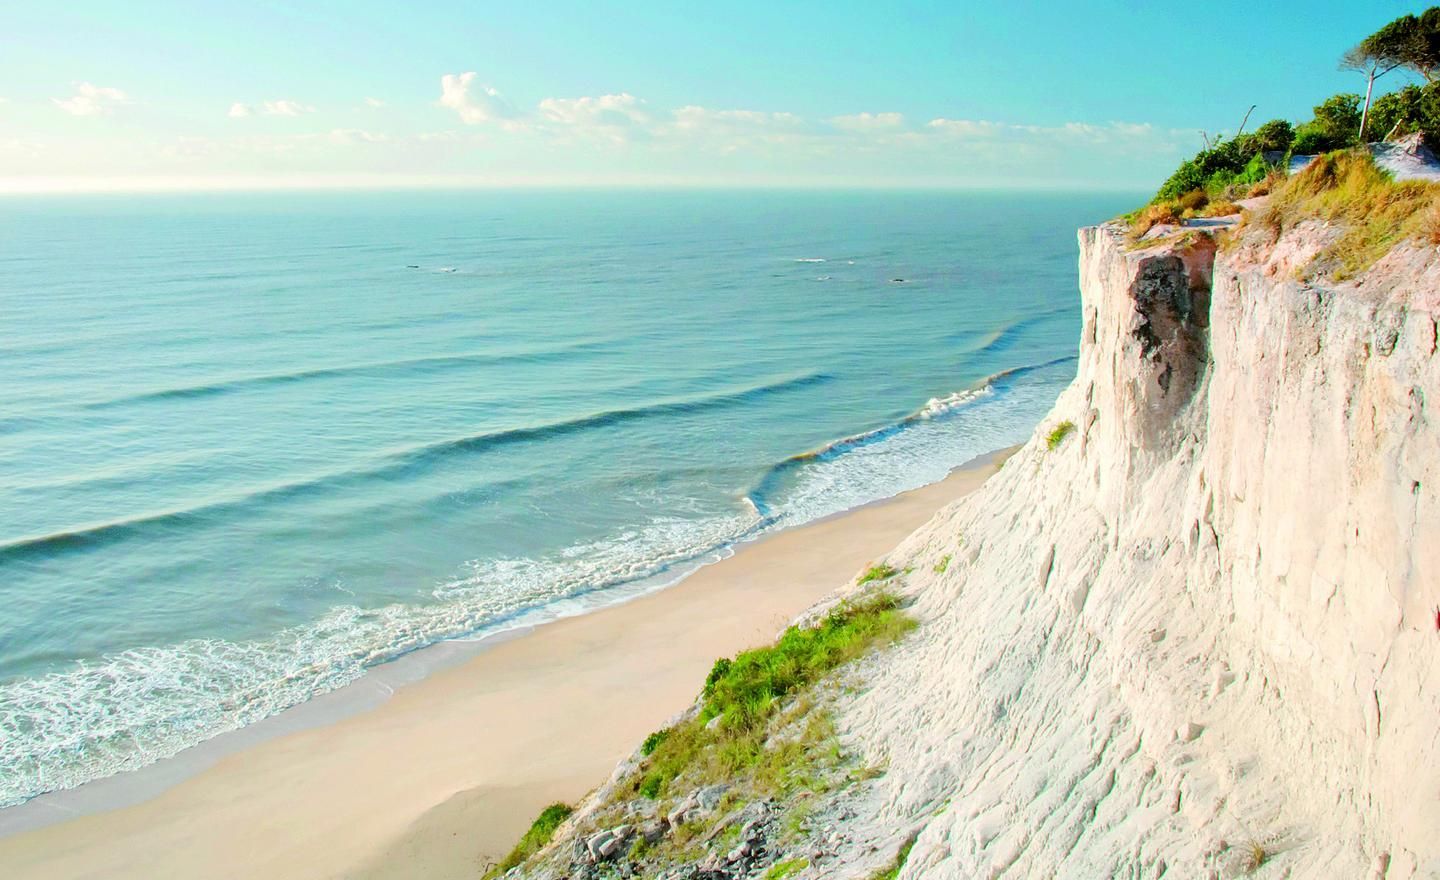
(881,572)
(1255,855)
(781,870)
(1058,434)
(943,564)
(893,871)
(1348,189)
(1151,216)
(535,839)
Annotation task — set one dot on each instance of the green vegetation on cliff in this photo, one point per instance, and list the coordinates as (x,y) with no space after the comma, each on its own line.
(1252,164)
(743,695)
(1374,211)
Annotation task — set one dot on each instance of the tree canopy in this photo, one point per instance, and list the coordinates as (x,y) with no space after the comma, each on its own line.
(1411,41)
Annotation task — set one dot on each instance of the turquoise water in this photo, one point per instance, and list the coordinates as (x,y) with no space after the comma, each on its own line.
(252,444)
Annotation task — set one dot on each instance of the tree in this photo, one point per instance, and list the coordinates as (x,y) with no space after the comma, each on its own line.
(1410,41)
(1422,53)
(1397,44)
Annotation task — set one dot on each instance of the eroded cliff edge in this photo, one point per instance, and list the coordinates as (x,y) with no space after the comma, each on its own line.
(1196,633)
(1204,630)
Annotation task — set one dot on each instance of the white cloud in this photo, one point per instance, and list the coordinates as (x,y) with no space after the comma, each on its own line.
(617,117)
(693,119)
(357,136)
(373,102)
(965,127)
(864,122)
(282,107)
(480,105)
(91,100)
(286,108)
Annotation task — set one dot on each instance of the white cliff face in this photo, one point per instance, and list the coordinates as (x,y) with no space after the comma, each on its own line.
(1202,636)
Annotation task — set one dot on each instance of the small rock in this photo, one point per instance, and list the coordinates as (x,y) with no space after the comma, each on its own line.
(610,847)
(654,830)
(594,843)
(1189,731)
(708,798)
(682,811)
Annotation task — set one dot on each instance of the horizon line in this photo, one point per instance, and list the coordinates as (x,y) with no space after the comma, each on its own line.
(133,185)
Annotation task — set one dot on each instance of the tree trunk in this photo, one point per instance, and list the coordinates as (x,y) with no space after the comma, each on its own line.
(1365,114)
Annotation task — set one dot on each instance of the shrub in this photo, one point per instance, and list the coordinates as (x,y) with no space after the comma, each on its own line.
(1339,117)
(943,564)
(1192,201)
(535,839)
(653,740)
(1407,110)
(1310,140)
(1336,126)
(1058,434)
(1274,136)
(717,672)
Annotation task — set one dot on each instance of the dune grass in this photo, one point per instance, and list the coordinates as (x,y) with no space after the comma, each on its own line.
(1376,212)
(743,696)
(534,840)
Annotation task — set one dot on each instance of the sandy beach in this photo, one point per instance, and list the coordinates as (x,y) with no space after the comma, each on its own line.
(444,776)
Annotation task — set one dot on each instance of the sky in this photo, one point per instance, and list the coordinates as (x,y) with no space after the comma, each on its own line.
(1110,94)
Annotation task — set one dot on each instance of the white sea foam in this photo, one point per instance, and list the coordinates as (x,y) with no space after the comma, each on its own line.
(948,403)
(810,260)
(138,706)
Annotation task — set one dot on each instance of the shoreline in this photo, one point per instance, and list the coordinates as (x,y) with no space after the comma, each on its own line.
(505,723)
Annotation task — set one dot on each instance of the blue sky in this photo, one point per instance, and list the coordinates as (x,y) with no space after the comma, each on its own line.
(1039,94)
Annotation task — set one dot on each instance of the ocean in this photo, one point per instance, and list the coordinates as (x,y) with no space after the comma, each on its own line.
(254,444)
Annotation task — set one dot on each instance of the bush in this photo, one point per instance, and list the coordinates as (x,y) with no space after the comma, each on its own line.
(1336,126)
(1274,136)
(1216,171)
(1408,110)
(653,740)
(1310,140)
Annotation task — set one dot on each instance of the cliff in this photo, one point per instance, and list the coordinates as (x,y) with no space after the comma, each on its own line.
(1201,637)
(1195,635)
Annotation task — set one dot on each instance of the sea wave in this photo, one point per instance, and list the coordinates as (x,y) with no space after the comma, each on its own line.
(370,369)
(128,709)
(396,464)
